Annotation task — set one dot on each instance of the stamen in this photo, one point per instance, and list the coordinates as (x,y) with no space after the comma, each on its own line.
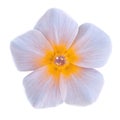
(59,60)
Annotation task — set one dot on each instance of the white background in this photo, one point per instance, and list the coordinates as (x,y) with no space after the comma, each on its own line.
(19,16)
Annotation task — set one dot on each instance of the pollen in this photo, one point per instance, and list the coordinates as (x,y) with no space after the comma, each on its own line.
(60,60)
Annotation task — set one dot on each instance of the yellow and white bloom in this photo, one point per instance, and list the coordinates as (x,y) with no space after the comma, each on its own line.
(62,56)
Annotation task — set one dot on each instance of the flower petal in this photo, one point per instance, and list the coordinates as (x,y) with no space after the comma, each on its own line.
(58,27)
(81,88)
(41,89)
(92,46)
(28,49)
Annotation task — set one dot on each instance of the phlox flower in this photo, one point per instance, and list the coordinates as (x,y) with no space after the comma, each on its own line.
(62,56)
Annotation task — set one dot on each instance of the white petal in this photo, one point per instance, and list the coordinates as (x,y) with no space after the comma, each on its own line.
(58,27)
(92,45)
(81,88)
(41,89)
(28,48)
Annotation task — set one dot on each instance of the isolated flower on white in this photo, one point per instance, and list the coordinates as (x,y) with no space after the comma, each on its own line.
(62,56)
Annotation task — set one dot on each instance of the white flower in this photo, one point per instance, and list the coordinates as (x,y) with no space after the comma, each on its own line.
(62,57)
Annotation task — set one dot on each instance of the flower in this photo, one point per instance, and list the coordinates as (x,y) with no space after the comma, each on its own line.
(62,57)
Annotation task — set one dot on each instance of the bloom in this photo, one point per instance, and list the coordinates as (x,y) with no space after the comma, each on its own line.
(62,57)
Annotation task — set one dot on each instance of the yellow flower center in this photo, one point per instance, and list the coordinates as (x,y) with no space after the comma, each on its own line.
(60,61)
